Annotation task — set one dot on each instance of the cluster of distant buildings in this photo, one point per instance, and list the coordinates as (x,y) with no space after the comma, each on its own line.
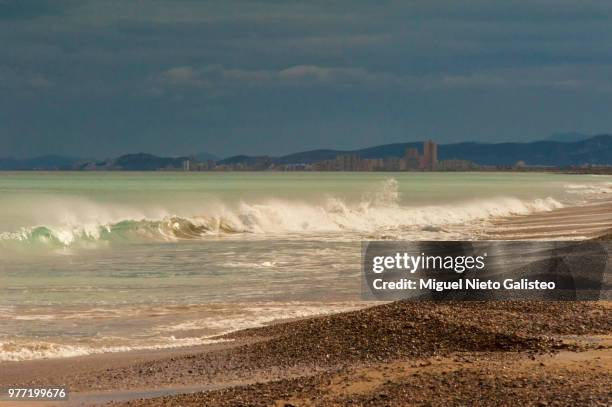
(193,165)
(411,161)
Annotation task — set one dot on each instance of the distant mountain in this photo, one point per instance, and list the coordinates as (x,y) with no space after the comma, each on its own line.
(133,162)
(383,151)
(594,150)
(308,157)
(45,162)
(146,162)
(569,137)
(237,159)
(206,156)
(128,162)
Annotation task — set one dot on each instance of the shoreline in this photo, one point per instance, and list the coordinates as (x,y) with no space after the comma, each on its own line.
(357,356)
(593,221)
(261,365)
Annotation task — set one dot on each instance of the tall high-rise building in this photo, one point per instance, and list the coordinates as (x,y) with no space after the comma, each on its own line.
(434,154)
(412,159)
(348,162)
(430,156)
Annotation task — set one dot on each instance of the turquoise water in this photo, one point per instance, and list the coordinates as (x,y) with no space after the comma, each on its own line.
(97,262)
(65,208)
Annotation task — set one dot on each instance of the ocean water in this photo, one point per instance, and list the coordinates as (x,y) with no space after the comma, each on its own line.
(103,262)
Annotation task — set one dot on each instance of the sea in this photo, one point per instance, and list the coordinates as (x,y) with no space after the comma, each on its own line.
(96,262)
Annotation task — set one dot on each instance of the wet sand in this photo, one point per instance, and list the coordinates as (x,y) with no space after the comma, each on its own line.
(580,222)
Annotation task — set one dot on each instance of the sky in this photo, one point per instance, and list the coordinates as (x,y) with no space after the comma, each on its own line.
(93,78)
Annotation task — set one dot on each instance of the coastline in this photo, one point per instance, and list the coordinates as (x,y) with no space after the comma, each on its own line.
(305,204)
(372,356)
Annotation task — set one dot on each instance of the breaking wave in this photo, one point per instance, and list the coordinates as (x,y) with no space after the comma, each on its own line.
(380,211)
(590,189)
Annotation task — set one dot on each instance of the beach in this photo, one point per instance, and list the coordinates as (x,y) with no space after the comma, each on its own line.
(195,310)
(402,353)
(300,204)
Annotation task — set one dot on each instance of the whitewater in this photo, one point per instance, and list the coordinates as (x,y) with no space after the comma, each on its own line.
(74,221)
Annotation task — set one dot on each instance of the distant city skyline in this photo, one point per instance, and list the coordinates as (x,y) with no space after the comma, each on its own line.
(570,151)
(102,78)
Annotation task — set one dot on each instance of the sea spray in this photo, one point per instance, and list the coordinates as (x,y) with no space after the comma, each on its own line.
(376,212)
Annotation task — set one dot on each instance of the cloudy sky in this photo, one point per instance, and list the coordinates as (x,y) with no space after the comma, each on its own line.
(101,78)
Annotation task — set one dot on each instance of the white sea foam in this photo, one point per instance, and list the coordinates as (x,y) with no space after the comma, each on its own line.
(590,189)
(221,321)
(11,351)
(378,211)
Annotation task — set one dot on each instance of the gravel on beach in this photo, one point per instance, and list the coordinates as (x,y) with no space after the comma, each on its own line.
(486,344)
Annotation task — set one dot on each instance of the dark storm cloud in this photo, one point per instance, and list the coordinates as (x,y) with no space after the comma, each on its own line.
(29,9)
(99,78)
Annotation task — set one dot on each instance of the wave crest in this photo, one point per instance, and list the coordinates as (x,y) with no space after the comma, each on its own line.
(380,211)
